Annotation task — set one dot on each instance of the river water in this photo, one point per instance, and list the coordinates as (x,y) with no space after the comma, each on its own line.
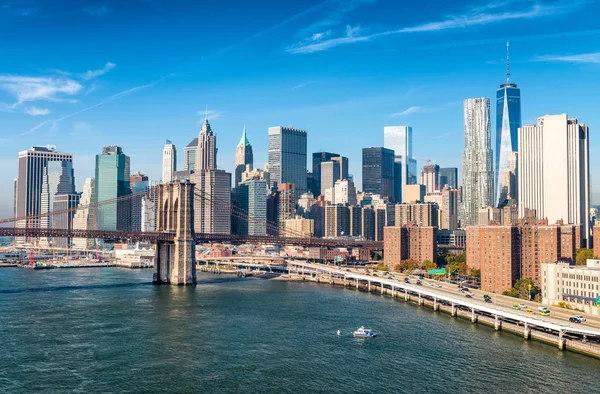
(110,330)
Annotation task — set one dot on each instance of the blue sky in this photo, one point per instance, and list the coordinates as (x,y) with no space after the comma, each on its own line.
(81,75)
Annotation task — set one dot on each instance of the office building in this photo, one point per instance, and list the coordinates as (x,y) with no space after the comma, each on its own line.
(305,202)
(344,192)
(244,158)
(489,215)
(355,214)
(420,214)
(252,198)
(138,183)
(343,165)
(399,140)
(85,217)
(32,166)
(414,193)
(212,201)
(58,179)
(206,153)
(287,203)
(112,182)
(317,213)
(337,221)
(64,206)
(477,172)
(317,159)
(554,171)
(189,156)
(368,223)
(169,165)
(330,173)
(452,237)
(430,177)
(378,171)
(287,157)
(449,176)
(508,121)
(577,286)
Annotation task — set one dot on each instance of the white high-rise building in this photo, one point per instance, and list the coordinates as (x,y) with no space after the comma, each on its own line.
(477,167)
(84,216)
(344,192)
(169,162)
(206,154)
(554,171)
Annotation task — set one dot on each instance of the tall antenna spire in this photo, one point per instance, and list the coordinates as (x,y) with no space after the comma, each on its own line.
(507,64)
(206,114)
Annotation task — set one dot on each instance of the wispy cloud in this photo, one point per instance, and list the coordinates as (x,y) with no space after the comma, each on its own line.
(408,111)
(490,13)
(211,114)
(89,74)
(303,85)
(25,88)
(35,111)
(579,58)
(55,122)
(97,11)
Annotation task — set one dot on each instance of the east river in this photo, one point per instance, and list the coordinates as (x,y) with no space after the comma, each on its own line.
(110,330)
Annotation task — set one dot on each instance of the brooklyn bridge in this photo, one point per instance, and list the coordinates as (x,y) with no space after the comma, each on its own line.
(174,237)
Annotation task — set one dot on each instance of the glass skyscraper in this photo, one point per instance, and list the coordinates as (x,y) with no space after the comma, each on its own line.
(378,171)
(287,157)
(399,139)
(508,121)
(112,182)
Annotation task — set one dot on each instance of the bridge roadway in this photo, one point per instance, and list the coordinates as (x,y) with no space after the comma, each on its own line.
(452,298)
(169,237)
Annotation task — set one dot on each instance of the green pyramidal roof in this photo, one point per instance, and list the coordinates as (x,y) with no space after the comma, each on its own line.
(244,140)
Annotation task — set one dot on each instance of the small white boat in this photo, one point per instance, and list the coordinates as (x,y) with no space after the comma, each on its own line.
(338,332)
(363,333)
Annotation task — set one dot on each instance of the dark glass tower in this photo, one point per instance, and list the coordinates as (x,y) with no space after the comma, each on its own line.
(378,171)
(508,121)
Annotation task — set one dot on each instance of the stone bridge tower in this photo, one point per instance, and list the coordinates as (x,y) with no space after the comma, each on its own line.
(175,263)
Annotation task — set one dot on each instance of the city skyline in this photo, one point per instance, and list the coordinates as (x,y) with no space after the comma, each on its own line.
(313,92)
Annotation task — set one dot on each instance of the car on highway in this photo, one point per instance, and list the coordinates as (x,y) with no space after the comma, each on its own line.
(406,280)
(419,282)
(544,311)
(581,318)
(530,312)
(438,285)
(488,300)
(522,306)
(468,295)
(574,319)
(515,307)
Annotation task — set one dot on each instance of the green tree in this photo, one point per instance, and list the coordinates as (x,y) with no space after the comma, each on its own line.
(428,265)
(475,273)
(582,255)
(458,258)
(408,265)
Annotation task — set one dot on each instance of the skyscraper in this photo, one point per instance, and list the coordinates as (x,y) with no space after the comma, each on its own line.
(287,157)
(112,182)
(253,200)
(85,216)
(169,165)
(58,178)
(138,182)
(449,176)
(378,171)
(317,159)
(330,173)
(212,204)
(554,171)
(189,156)
(206,154)
(430,177)
(30,182)
(243,157)
(508,121)
(399,139)
(477,171)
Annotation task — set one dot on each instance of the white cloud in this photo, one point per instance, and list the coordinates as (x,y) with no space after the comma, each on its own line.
(35,111)
(89,74)
(25,88)
(487,14)
(579,58)
(303,85)
(408,111)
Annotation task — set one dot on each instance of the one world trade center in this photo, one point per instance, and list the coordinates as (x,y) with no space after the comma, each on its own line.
(508,121)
